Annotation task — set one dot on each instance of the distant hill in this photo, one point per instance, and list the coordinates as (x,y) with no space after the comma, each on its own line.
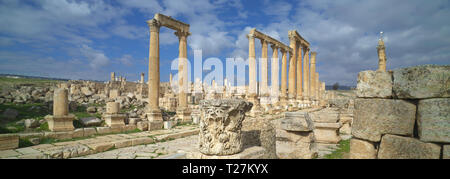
(38,77)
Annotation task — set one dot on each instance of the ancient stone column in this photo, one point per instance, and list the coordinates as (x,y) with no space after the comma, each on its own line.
(220,126)
(61,119)
(381,55)
(154,113)
(60,102)
(251,66)
(283,76)
(112,108)
(313,74)
(183,111)
(264,65)
(292,66)
(316,86)
(142,78)
(275,71)
(112,117)
(113,76)
(306,74)
(299,73)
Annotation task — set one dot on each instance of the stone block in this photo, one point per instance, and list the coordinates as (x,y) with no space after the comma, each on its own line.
(345,129)
(122,143)
(141,140)
(375,117)
(374,84)
(419,82)
(169,124)
(360,149)
(327,135)
(101,147)
(433,120)
(129,127)
(103,130)
(89,132)
(77,133)
(446,152)
(9,141)
(59,135)
(155,125)
(8,153)
(398,147)
(142,125)
(114,120)
(296,121)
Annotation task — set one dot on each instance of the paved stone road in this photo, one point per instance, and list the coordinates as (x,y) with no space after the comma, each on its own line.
(150,151)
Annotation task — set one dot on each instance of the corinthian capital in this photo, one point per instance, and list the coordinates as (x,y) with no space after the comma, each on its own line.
(182,34)
(154,25)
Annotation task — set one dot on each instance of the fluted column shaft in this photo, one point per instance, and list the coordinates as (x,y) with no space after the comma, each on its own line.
(251,65)
(313,75)
(306,74)
(292,66)
(264,66)
(283,74)
(153,67)
(299,73)
(275,71)
(182,69)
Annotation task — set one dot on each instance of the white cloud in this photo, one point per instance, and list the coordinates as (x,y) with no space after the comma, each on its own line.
(96,58)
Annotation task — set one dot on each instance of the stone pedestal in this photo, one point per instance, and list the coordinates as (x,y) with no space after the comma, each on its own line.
(184,114)
(114,120)
(60,123)
(61,119)
(220,126)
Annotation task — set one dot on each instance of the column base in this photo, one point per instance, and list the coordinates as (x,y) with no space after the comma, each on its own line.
(155,125)
(154,115)
(184,114)
(114,120)
(60,123)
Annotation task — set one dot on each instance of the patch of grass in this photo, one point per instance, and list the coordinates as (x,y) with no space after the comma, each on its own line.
(25,143)
(343,148)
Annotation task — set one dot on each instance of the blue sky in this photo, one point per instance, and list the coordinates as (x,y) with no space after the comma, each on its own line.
(78,39)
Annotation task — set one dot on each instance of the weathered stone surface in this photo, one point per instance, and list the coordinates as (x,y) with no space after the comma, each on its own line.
(433,120)
(142,125)
(325,115)
(360,149)
(91,109)
(398,147)
(89,132)
(345,129)
(296,121)
(259,132)
(9,141)
(327,135)
(8,153)
(375,117)
(103,130)
(77,133)
(419,82)
(374,84)
(446,152)
(220,126)
(90,121)
(86,91)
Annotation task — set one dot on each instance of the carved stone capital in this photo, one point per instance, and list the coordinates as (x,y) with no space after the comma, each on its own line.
(220,126)
(250,36)
(275,47)
(181,34)
(154,25)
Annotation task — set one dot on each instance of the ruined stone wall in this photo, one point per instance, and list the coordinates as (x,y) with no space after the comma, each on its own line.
(402,114)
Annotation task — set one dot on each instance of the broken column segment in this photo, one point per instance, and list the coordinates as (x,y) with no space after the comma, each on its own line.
(61,119)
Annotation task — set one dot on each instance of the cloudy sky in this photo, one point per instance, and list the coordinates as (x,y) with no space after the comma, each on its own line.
(78,39)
